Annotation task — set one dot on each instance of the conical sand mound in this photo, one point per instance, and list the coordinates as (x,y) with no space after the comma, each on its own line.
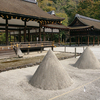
(50,74)
(87,60)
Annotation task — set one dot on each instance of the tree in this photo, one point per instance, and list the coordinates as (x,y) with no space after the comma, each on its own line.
(89,8)
(64,22)
(46,5)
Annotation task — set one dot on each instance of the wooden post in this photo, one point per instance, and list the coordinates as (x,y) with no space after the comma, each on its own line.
(81,40)
(6,31)
(75,52)
(19,35)
(93,40)
(52,35)
(43,34)
(28,35)
(78,41)
(70,41)
(98,40)
(88,40)
(39,31)
(24,31)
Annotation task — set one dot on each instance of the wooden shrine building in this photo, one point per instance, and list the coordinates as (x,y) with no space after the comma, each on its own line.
(84,27)
(24,15)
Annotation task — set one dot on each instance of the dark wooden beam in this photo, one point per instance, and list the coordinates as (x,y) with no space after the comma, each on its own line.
(78,40)
(25,31)
(6,31)
(28,35)
(19,35)
(93,40)
(81,40)
(39,31)
(43,34)
(98,40)
(70,41)
(52,34)
(88,40)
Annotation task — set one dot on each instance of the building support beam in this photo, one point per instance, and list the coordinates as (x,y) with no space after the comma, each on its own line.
(81,40)
(52,34)
(70,41)
(39,31)
(29,35)
(43,34)
(93,40)
(88,40)
(78,40)
(6,31)
(25,31)
(98,40)
(19,35)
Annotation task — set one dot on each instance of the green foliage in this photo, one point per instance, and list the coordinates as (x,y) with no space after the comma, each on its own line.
(46,5)
(68,8)
(89,8)
(3,37)
(64,22)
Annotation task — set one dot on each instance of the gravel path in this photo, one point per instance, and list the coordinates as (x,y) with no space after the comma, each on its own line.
(14,85)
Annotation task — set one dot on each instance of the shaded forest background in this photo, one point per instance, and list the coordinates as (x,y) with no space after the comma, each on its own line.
(68,8)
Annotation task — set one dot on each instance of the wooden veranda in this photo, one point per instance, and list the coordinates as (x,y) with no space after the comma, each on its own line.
(85,27)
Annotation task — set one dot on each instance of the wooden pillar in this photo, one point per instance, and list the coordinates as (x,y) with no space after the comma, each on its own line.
(6,31)
(52,35)
(93,40)
(70,41)
(78,40)
(19,35)
(43,34)
(88,40)
(24,31)
(39,31)
(28,35)
(98,40)
(81,40)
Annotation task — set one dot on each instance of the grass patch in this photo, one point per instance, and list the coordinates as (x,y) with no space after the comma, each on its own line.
(7,64)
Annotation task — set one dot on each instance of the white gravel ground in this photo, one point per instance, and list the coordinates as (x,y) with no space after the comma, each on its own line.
(86,84)
(14,85)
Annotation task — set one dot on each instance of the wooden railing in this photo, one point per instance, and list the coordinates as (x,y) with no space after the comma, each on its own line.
(33,44)
(7,52)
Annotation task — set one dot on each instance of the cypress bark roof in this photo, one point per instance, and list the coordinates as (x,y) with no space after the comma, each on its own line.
(27,9)
(85,21)
(56,26)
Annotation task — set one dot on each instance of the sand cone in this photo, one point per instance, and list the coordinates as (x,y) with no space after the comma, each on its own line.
(50,74)
(87,60)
